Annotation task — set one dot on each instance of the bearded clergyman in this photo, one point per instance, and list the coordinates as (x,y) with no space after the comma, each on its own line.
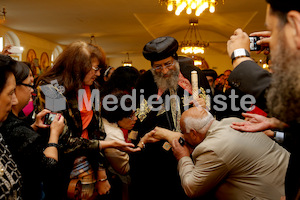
(163,93)
(279,92)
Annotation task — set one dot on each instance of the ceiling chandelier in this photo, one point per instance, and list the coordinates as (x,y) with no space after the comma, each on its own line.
(93,40)
(127,62)
(200,62)
(193,44)
(198,5)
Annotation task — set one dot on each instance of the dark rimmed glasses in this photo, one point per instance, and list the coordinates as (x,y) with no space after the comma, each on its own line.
(27,85)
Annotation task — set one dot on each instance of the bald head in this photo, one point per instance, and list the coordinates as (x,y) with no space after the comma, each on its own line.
(195,118)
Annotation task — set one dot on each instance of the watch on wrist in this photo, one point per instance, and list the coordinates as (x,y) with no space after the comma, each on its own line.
(238,53)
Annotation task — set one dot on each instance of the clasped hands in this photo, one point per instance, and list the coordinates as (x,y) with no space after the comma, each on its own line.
(172,137)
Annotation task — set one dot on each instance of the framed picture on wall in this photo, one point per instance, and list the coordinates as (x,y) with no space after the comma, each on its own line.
(31,58)
(30,55)
(44,61)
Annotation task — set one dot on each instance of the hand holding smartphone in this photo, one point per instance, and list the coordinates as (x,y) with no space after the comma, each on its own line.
(49,117)
(253,43)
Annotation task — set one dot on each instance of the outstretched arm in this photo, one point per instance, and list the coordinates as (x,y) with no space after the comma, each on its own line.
(165,134)
(255,123)
(148,138)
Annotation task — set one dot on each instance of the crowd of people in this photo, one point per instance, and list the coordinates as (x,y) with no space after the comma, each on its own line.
(149,135)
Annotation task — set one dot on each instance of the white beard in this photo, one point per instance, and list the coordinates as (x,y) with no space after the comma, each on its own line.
(170,82)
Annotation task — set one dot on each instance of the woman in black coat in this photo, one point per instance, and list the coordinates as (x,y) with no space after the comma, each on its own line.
(36,155)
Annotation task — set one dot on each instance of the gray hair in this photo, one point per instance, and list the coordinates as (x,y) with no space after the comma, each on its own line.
(198,124)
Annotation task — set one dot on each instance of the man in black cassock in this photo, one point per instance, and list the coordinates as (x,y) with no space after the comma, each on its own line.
(277,93)
(154,170)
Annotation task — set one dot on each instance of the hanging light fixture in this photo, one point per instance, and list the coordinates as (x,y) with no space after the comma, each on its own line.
(200,62)
(2,15)
(93,40)
(193,44)
(198,5)
(265,63)
(127,62)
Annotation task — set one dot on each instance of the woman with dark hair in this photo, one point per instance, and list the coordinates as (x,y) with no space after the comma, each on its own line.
(105,74)
(123,78)
(117,123)
(10,176)
(108,72)
(76,69)
(34,153)
(27,112)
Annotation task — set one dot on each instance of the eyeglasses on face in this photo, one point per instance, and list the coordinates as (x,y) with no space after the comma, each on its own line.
(132,116)
(168,65)
(27,85)
(96,68)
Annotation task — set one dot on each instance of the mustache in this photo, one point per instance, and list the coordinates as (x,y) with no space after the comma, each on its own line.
(169,82)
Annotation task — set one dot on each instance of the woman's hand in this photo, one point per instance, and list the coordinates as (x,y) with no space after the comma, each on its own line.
(5,50)
(102,185)
(122,146)
(56,129)
(39,121)
(57,126)
(165,134)
(149,138)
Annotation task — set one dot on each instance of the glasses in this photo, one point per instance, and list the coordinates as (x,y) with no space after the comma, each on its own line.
(96,68)
(168,65)
(27,85)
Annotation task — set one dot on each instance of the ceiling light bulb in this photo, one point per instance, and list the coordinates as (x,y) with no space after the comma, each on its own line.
(212,9)
(183,5)
(198,12)
(205,5)
(189,10)
(177,12)
(194,5)
(197,62)
(170,7)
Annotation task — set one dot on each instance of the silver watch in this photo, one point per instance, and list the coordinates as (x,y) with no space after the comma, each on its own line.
(239,53)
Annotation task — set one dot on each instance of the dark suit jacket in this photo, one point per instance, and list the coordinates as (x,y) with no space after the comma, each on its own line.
(252,79)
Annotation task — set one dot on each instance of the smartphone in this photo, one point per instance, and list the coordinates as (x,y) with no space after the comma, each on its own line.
(49,117)
(181,141)
(253,43)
